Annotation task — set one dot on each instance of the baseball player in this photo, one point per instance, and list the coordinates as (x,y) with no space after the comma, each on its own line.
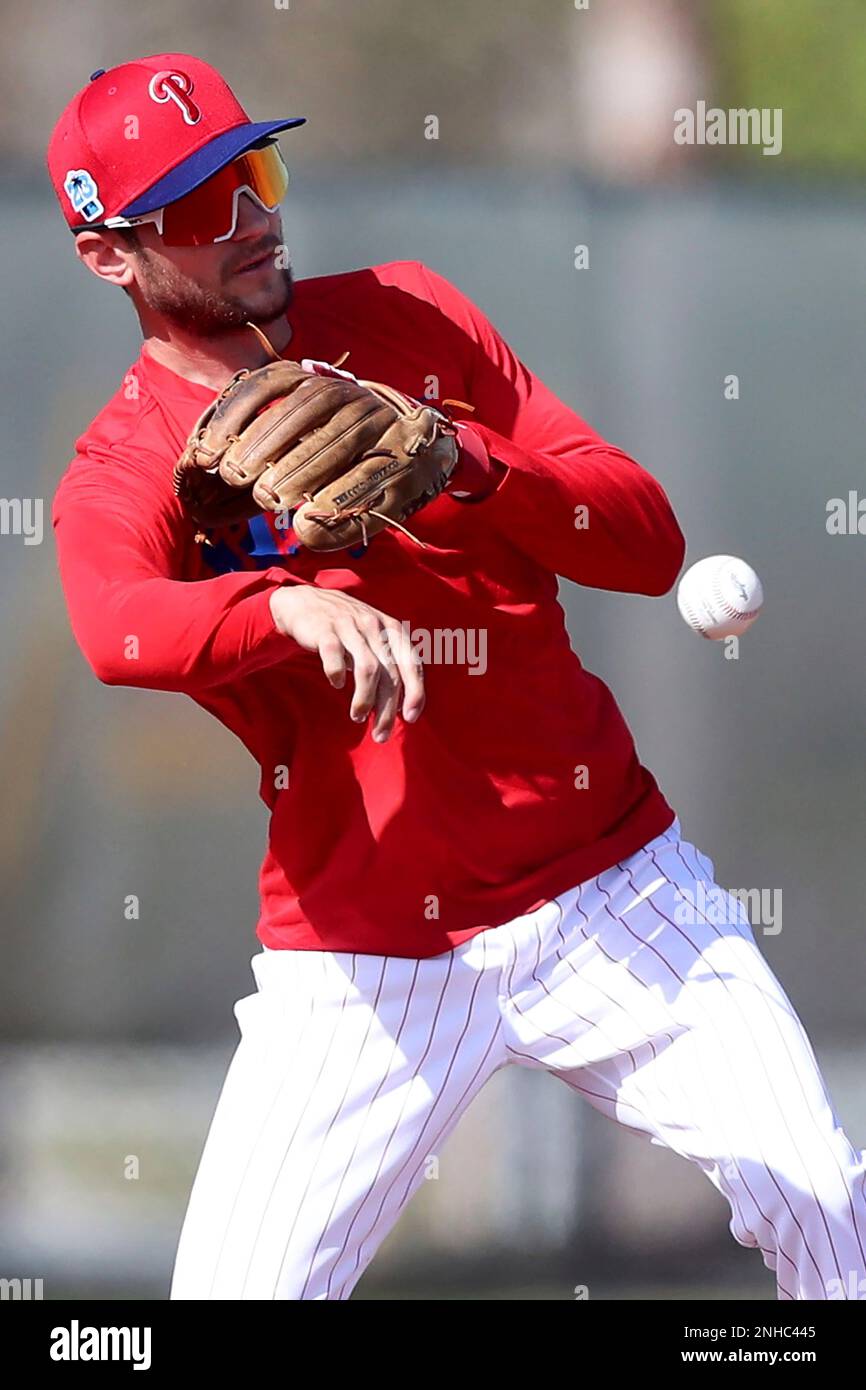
(467,866)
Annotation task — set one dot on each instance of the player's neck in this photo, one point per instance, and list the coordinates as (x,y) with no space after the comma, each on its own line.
(210,361)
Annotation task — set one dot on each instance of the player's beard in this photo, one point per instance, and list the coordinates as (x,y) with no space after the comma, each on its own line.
(168,291)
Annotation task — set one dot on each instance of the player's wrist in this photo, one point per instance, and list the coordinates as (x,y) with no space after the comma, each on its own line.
(476,475)
(283,605)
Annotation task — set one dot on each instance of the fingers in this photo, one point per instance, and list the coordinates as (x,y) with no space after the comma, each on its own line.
(333,657)
(368,666)
(410,669)
(349,635)
(388,696)
(387,673)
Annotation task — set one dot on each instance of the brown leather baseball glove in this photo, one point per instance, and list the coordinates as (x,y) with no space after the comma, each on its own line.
(347,457)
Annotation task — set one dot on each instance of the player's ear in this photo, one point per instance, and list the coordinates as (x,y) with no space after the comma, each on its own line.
(108,256)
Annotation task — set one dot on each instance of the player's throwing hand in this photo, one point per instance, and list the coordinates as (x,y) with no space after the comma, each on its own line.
(351,635)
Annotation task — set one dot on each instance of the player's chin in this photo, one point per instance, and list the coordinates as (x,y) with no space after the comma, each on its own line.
(262,290)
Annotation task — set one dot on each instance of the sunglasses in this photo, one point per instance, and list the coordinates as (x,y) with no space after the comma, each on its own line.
(210,212)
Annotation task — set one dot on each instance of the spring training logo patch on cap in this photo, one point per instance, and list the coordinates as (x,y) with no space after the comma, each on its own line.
(172,85)
(83,194)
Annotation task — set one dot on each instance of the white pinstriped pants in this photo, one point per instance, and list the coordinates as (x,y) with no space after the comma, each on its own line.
(352,1069)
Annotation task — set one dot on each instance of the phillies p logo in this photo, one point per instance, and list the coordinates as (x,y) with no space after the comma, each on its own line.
(175,86)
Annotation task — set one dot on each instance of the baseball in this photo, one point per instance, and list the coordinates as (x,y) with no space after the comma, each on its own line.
(720,596)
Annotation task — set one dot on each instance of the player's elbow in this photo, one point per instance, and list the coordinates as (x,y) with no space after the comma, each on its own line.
(666,562)
(663,546)
(106,667)
(136,675)
(110,675)
(115,662)
(127,668)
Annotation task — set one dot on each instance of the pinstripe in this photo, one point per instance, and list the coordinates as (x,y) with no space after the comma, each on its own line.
(729,1155)
(642,986)
(310,1094)
(614,1100)
(464,1094)
(818,1129)
(543,990)
(394,1129)
(770,1086)
(697,996)
(593,984)
(515,953)
(796,1072)
(584,1064)
(442,1091)
(599,945)
(569,1043)
(447,1123)
(377,1091)
(254,1146)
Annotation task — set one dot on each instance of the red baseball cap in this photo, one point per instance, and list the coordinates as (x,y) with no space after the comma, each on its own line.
(145,133)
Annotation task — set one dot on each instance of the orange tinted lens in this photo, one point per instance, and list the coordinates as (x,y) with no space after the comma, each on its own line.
(265,173)
(206,213)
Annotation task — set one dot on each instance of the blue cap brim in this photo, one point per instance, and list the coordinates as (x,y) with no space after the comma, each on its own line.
(206,161)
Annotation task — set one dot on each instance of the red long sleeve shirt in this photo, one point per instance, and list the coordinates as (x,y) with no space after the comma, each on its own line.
(520,779)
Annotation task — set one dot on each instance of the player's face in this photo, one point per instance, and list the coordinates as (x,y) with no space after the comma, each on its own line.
(219,286)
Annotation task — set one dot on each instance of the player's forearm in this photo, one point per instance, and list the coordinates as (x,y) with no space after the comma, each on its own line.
(161,634)
(593,515)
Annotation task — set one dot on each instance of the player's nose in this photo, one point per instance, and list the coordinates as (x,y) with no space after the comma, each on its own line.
(252,221)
